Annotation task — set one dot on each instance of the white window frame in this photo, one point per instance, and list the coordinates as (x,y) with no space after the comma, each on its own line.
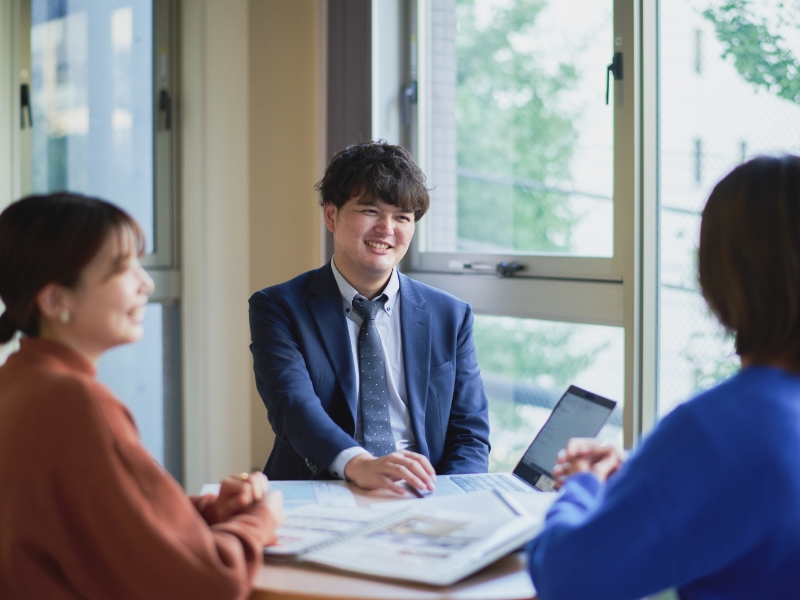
(620,290)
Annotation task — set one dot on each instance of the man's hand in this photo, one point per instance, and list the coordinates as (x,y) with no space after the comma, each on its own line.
(587,455)
(237,492)
(371,473)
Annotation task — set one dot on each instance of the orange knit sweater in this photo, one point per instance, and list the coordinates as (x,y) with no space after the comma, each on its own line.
(85,511)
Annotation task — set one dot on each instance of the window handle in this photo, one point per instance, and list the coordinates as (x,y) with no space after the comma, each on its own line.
(504,269)
(615,68)
(409,98)
(25,103)
(165,106)
(507,269)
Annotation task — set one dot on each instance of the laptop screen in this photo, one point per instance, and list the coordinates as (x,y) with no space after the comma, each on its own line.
(578,414)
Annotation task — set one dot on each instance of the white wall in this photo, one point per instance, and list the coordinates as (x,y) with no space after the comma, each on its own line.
(287,156)
(252,129)
(215,238)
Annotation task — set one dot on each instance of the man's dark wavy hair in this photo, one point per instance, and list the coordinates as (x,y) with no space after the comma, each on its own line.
(375,169)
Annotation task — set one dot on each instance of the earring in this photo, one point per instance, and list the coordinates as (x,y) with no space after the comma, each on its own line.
(64,316)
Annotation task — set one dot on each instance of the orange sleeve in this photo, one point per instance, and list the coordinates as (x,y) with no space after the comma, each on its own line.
(203,505)
(128,530)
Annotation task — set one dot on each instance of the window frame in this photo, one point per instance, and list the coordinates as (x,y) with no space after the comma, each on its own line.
(165,156)
(165,207)
(601,269)
(618,290)
(163,264)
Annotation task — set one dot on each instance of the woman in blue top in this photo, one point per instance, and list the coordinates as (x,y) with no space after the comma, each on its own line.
(710,502)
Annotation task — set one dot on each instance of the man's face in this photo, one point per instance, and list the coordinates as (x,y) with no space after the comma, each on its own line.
(369,238)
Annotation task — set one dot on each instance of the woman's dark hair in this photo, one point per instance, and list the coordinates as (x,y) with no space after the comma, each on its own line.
(749,257)
(50,239)
(377,170)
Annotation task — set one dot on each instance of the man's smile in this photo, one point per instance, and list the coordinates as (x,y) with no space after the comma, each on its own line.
(378,245)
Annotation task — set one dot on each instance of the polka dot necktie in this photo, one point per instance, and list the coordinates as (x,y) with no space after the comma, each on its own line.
(378,437)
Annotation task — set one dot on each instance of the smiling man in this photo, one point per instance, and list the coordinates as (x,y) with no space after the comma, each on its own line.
(367,374)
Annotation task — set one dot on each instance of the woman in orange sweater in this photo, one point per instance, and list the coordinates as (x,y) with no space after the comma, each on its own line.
(85,511)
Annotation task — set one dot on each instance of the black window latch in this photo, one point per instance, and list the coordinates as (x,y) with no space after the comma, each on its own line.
(165,106)
(409,98)
(507,269)
(25,103)
(615,69)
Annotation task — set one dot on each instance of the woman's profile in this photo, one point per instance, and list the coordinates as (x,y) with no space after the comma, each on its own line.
(85,511)
(708,504)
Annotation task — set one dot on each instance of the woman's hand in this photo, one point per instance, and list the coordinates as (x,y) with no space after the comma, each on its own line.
(587,455)
(274,502)
(237,492)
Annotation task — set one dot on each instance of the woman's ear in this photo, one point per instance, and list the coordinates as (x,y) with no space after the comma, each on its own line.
(53,303)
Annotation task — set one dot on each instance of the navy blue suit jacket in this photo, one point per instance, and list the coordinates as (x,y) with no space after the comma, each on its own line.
(305,374)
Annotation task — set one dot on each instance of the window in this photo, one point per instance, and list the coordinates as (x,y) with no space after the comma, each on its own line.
(94,124)
(527,364)
(530,222)
(594,210)
(731,103)
(96,82)
(515,137)
(76,76)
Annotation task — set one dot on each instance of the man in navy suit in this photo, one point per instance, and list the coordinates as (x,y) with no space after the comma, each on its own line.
(367,374)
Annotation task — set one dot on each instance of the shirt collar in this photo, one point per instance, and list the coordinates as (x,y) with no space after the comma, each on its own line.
(348,292)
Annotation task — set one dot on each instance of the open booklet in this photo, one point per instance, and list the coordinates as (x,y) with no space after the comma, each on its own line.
(423,541)
(302,493)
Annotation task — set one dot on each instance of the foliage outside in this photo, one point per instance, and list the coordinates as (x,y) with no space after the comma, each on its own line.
(510,128)
(759,50)
(758,46)
(509,125)
(709,371)
(540,353)
(502,90)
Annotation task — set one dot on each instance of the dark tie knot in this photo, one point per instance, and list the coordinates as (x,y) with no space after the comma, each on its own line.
(368,309)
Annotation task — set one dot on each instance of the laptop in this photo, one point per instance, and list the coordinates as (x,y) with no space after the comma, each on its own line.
(577,414)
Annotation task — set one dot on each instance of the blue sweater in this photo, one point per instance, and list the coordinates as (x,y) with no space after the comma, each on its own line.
(709,504)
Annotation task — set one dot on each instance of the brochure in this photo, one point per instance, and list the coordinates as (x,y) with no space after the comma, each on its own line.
(421,541)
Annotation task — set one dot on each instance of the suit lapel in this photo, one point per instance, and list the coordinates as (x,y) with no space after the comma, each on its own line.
(416,334)
(325,306)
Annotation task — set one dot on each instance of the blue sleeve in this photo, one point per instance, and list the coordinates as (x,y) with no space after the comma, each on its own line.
(656,524)
(466,448)
(284,384)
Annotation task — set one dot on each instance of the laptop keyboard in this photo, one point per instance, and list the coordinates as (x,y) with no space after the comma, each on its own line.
(489,481)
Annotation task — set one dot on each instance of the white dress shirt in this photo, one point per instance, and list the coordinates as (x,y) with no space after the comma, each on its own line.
(388,323)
